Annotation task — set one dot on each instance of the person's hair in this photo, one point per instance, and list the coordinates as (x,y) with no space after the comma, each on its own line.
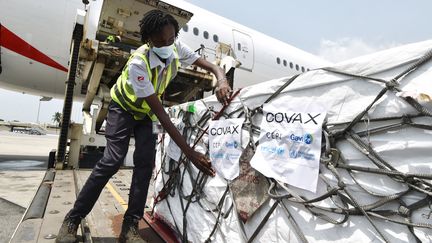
(154,21)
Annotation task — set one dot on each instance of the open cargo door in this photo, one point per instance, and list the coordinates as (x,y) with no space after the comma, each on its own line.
(121,18)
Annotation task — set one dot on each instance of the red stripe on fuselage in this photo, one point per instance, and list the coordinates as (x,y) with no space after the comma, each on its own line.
(14,43)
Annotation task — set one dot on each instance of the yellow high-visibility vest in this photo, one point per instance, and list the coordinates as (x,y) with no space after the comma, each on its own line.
(123,94)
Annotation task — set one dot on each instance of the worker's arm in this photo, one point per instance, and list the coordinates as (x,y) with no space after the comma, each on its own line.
(223,90)
(198,159)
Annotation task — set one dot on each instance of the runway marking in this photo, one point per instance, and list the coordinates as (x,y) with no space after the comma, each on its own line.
(117,196)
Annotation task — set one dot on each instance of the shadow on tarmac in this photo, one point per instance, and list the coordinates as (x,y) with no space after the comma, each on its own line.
(17,162)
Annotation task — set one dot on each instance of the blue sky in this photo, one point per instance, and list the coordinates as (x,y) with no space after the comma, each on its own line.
(334,29)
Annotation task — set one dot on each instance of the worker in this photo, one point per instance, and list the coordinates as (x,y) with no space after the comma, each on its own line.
(135,106)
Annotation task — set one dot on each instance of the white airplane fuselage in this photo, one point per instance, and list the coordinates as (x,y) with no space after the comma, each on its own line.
(35,39)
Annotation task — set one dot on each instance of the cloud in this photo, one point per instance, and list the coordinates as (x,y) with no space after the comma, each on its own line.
(347,48)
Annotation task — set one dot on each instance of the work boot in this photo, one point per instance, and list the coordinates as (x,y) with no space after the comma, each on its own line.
(129,232)
(68,230)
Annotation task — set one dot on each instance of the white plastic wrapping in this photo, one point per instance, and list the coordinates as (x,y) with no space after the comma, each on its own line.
(406,148)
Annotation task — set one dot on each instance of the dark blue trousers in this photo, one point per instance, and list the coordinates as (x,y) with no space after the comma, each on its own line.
(119,126)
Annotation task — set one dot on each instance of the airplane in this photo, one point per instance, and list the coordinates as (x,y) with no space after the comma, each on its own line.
(35,43)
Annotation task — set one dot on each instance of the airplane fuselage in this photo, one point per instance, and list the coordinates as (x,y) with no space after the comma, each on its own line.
(36,35)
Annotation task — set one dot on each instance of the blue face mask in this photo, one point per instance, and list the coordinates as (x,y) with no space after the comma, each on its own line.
(163,52)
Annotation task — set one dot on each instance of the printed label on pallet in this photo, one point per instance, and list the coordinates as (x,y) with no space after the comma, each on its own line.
(225,146)
(290,142)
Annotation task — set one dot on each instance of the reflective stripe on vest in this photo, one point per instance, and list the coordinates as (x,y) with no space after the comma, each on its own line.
(123,93)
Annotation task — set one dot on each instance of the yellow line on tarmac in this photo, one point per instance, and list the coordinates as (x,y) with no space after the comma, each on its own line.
(117,196)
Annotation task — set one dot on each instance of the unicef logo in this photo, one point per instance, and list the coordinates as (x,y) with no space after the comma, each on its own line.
(293,154)
(308,138)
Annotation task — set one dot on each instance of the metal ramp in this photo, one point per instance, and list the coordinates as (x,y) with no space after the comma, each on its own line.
(55,198)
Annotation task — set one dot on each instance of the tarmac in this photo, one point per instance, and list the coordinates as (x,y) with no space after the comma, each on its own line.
(23,163)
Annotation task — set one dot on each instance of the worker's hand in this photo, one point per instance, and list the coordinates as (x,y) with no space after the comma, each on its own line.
(201,162)
(223,92)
